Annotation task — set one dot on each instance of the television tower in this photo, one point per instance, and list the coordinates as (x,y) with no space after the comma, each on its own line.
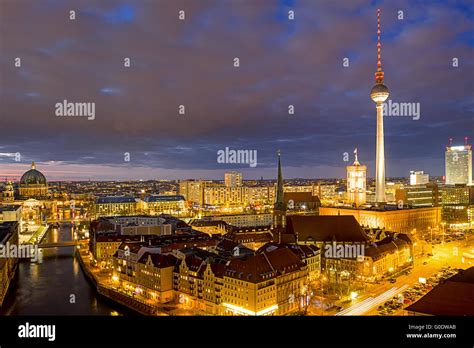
(379,94)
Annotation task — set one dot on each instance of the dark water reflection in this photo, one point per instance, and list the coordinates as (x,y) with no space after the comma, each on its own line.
(45,288)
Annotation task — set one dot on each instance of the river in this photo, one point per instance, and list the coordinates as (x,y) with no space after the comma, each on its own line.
(55,285)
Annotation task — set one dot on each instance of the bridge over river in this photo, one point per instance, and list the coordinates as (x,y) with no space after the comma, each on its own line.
(42,235)
(59,244)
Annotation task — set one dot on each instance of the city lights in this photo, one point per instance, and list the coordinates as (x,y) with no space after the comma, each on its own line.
(172,161)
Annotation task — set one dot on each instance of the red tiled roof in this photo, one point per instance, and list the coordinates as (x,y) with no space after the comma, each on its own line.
(117,238)
(297,197)
(389,244)
(194,263)
(304,250)
(101,225)
(264,266)
(159,260)
(218,269)
(227,245)
(249,237)
(341,228)
(132,247)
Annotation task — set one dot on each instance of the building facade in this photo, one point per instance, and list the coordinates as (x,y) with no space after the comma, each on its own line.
(386,258)
(243,220)
(116,205)
(356,182)
(9,236)
(9,213)
(418,177)
(397,220)
(8,194)
(233,179)
(418,196)
(457,203)
(458,161)
(163,204)
(193,190)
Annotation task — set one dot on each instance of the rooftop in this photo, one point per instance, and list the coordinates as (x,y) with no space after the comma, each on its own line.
(207,223)
(326,228)
(249,237)
(6,228)
(164,198)
(159,260)
(9,207)
(389,244)
(115,199)
(264,266)
(384,208)
(301,197)
(453,297)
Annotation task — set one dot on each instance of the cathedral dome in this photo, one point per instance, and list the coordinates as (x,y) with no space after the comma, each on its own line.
(33,177)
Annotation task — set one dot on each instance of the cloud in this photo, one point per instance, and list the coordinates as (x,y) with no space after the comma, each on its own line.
(190,63)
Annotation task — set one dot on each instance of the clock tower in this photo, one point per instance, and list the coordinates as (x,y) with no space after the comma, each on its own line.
(356,182)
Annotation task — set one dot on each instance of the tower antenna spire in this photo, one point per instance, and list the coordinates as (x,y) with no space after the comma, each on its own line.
(379,74)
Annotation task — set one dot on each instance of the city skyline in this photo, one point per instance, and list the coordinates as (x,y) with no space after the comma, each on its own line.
(282,62)
(229,159)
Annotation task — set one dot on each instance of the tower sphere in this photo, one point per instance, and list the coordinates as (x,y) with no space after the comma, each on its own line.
(379,93)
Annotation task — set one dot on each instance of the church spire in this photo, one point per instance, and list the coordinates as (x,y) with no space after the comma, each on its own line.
(279,194)
(279,208)
(33,165)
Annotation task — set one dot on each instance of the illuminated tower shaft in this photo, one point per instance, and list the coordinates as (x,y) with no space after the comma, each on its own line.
(379,94)
(380,158)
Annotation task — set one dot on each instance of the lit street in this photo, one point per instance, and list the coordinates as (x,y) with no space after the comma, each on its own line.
(442,256)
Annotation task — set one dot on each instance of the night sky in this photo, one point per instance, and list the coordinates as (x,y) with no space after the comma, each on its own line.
(190,62)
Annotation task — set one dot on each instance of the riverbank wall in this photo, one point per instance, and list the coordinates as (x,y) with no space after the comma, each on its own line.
(110,293)
(6,283)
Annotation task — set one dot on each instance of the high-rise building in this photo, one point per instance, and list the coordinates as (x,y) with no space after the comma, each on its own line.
(458,205)
(417,196)
(261,195)
(356,182)
(192,190)
(459,164)
(233,179)
(379,94)
(219,195)
(418,178)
